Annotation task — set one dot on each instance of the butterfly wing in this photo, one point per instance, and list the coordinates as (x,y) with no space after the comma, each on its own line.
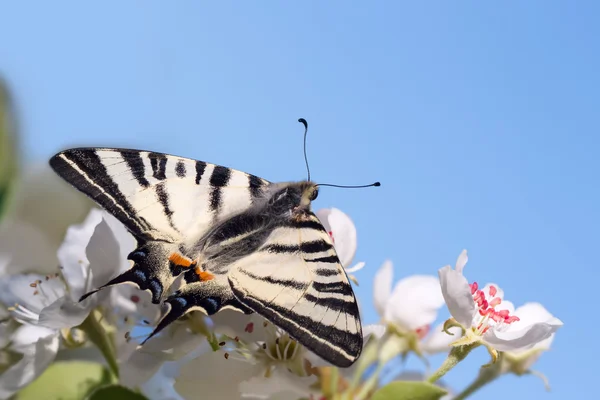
(163,200)
(296,281)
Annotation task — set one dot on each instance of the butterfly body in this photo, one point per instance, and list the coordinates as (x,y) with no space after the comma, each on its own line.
(239,241)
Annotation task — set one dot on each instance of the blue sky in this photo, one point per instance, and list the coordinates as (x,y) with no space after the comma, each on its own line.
(480,120)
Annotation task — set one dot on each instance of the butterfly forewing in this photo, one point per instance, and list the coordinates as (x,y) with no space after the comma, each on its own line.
(296,281)
(158,196)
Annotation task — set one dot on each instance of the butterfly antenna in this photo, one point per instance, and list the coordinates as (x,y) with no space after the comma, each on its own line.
(375,184)
(303,122)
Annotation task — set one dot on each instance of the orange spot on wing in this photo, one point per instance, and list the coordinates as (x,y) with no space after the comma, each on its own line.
(180,260)
(204,276)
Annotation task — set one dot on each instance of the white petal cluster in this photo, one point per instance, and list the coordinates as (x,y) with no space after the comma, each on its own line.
(231,355)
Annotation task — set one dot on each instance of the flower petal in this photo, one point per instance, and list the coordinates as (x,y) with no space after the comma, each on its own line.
(27,334)
(127,242)
(461,261)
(172,344)
(526,338)
(72,254)
(375,330)
(356,267)
(457,294)
(530,313)
(160,386)
(343,232)
(205,375)
(415,302)
(281,381)
(382,286)
(36,359)
(439,341)
(16,289)
(248,327)
(103,254)
(64,313)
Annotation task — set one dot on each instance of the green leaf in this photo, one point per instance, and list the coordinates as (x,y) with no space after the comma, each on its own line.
(409,390)
(8,153)
(66,380)
(115,392)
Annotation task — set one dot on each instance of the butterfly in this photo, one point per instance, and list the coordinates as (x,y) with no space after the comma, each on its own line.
(240,242)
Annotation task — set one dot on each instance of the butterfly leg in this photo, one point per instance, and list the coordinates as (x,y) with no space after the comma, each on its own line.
(208,295)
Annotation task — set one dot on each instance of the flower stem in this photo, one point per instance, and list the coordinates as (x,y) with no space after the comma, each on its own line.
(98,335)
(456,355)
(486,375)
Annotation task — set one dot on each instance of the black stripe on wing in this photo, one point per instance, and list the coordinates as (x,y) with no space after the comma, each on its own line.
(315,246)
(278,282)
(84,169)
(219,178)
(324,340)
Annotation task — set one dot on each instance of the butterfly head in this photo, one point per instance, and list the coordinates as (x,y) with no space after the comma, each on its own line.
(309,192)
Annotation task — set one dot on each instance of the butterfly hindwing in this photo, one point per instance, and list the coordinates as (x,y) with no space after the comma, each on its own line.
(163,200)
(296,281)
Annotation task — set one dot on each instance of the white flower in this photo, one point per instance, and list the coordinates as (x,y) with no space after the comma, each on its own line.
(160,386)
(487,318)
(176,342)
(260,360)
(48,306)
(519,362)
(410,308)
(38,347)
(343,233)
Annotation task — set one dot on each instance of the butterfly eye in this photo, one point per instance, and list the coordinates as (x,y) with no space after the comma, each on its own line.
(314,194)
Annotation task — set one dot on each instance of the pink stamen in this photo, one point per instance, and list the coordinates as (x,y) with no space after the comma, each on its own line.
(495,302)
(487,309)
(474,287)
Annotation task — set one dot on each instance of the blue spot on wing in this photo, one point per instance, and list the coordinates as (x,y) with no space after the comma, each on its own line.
(156,289)
(140,275)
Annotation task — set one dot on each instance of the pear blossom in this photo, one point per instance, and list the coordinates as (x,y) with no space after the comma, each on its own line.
(38,347)
(266,360)
(177,342)
(409,309)
(487,318)
(160,386)
(520,362)
(343,233)
(48,306)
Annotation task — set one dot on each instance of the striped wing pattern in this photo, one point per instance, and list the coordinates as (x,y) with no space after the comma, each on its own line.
(296,281)
(279,261)
(158,196)
(165,201)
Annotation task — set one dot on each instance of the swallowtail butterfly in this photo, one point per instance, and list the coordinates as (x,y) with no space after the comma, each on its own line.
(240,241)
